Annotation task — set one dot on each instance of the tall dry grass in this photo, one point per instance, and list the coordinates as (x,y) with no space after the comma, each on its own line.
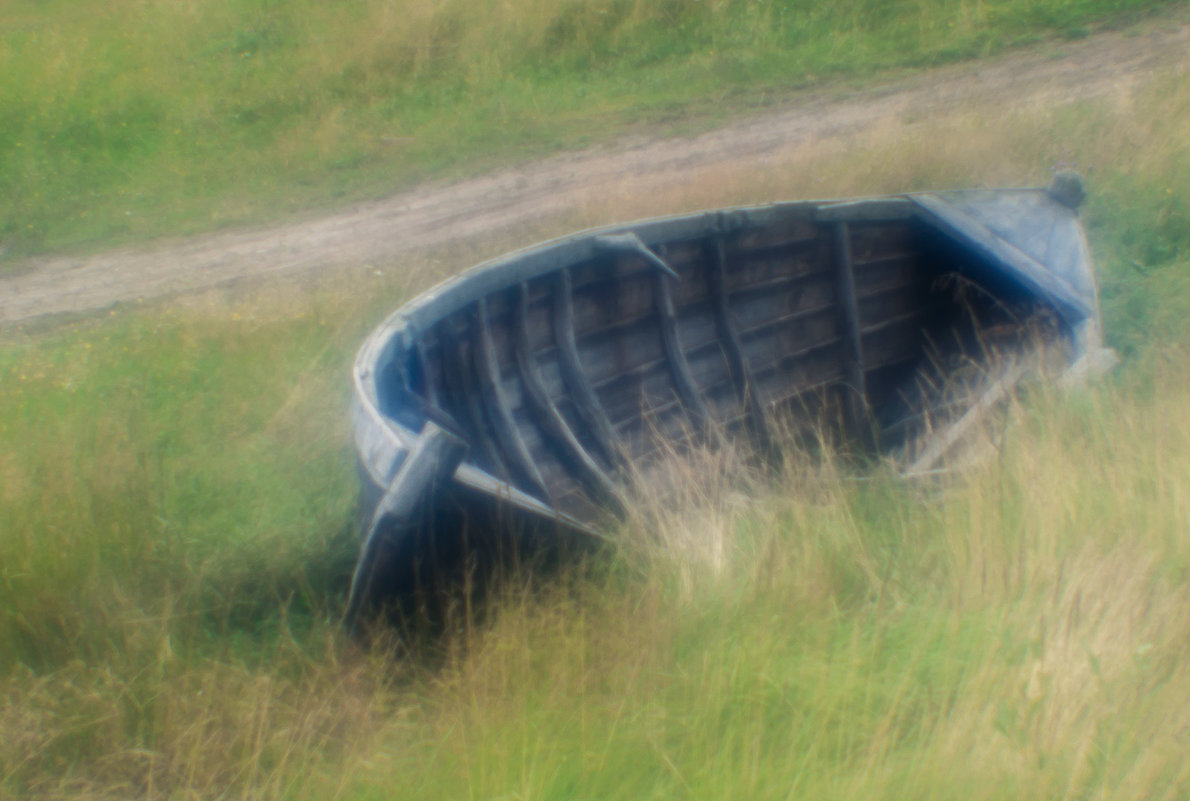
(1018,633)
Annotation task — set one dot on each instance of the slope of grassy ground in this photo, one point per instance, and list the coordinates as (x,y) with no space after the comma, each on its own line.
(176,502)
(123,120)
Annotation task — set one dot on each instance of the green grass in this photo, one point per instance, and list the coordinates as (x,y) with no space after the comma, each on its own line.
(176,493)
(136,454)
(126,120)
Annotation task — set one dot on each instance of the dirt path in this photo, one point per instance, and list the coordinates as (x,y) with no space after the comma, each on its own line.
(430,215)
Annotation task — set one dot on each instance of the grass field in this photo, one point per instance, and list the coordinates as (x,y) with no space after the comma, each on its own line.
(128,119)
(176,512)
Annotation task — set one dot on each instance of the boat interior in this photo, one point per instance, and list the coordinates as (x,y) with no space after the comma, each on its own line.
(868,332)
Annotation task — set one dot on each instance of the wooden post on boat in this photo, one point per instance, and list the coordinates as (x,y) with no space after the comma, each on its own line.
(430,462)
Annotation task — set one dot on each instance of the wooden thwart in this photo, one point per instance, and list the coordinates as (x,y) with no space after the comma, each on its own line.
(947,438)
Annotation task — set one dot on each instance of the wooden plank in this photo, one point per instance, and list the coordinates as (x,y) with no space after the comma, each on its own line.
(650,387)
(745,385)
(680,367)
(857,398)
(870,210)
(608,361)
(429,464)
(750,272)
(786,365)
(795,228)
(459,372)
(720,398)
(506,429)
(946,438)
(631,243)
(600,305)
(583,395)
(590,473)
(875,241)
(429,387)
(802,333)
(805,318)
(893,307)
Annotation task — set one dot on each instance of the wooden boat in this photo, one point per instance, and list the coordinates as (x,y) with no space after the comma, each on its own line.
(535,382)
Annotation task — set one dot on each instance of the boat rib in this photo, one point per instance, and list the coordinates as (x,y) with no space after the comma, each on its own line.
(678,364)
(505,426)
(454,360)
(553,423)
(852,337)
(730,338)
(585,400)
(429,388)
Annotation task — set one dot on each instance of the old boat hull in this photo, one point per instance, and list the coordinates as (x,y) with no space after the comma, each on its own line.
(543,376)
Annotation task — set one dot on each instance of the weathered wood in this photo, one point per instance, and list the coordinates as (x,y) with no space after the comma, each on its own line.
(506,429)
(626,344)
(590,473)
(683,379)
(729,338)
(946,438)
(429,464)
(460,370)
(897,208)
(612,302)
(610,355)
(857,398)
(777,272)
(585,400)
(631,243)
(564,361)
(650,387)
(1069,291)
(429,387)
